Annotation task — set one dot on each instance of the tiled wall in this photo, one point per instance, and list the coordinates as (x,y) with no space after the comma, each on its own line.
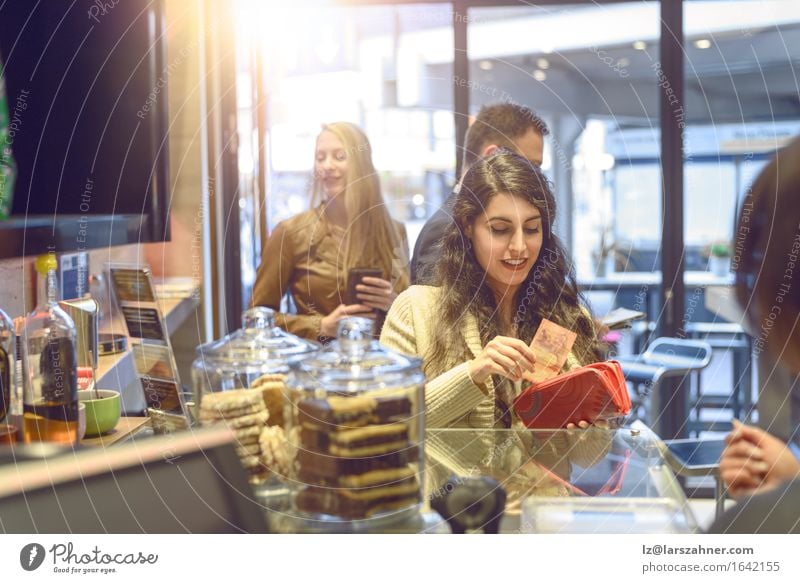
(18,276)
(16,286)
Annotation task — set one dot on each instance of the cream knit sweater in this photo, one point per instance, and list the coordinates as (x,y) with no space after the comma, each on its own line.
(451,398)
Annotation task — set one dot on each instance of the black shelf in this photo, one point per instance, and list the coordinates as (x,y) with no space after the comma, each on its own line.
(34,235)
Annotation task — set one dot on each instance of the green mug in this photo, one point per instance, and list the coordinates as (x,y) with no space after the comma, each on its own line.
(102,415)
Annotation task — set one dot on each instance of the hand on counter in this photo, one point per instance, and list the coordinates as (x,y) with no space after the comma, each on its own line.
(331,321)
(755,461)
(504,356)
(376,293)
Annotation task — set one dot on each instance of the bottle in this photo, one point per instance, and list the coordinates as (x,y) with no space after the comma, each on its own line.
(8,340)
(50,367)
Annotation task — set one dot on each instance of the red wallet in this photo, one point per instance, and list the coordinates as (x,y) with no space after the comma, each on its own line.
(592,392)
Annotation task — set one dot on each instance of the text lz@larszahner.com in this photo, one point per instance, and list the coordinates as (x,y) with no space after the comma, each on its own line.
(95,560)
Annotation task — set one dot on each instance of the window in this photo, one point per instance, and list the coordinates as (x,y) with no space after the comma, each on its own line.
(384,68)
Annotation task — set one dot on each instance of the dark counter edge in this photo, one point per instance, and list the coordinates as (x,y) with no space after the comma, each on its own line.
(34,235)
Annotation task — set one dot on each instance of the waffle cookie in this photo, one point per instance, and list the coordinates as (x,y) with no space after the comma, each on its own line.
(244,412)
(276,452)
(272,388)
(229,400)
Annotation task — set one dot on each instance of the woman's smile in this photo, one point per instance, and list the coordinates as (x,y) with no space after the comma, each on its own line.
(515,264)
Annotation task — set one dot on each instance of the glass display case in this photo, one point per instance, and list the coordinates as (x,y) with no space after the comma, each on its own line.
(355,421)
(238,380)
(591,480)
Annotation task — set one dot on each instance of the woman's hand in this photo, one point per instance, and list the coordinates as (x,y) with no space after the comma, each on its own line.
(331,321)
(376,293)
(504,356)
(600,423)
(754,461)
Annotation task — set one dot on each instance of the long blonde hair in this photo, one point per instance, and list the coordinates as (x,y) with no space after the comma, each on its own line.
(372,239)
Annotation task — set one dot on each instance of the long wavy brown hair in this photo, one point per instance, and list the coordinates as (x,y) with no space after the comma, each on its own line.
(372,238)
(550,290)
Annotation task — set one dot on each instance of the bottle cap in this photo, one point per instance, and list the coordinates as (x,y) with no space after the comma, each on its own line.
(45,263)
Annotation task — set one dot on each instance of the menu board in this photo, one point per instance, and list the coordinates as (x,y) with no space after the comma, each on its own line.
(133,284)
(159,377)
(153,356)
(144,323)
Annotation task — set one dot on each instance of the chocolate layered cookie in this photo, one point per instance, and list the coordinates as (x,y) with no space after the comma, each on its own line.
(359,503)
(361,442)
(323,468)
(368,479)
(356,455)
(339,413)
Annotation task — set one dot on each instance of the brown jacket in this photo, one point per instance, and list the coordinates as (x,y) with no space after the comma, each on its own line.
(303,256)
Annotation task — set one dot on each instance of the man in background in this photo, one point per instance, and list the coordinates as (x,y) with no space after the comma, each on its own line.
(498,125)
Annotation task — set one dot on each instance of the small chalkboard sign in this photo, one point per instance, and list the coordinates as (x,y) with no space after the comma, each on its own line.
(133,284)
(143,323)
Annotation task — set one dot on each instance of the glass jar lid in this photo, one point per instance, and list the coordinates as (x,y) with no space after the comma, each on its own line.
(259,344)
(355,362)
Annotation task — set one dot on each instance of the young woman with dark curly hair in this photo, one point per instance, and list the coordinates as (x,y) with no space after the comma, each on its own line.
(500,271)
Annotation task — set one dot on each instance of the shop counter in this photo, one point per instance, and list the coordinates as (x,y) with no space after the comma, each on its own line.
(560,481)
(126,428)
(592,481)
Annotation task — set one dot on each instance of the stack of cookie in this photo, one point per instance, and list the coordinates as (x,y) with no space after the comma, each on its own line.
(272,387)
(244,412)
(357,456)
(277,453)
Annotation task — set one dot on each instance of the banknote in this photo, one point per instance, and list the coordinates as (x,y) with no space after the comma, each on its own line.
(551,345)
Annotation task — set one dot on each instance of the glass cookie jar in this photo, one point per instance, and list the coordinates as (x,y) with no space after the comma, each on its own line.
(356,424)
(239,379)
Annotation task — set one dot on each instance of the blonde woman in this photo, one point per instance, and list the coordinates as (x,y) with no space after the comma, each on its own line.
(310,255)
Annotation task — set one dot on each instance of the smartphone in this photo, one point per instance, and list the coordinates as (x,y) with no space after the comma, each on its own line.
(354,277)
(695,455)
(621,318)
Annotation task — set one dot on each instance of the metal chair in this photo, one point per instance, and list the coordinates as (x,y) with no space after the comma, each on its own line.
(731,339)
(664,358)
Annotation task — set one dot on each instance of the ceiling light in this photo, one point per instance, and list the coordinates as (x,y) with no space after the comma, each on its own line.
(640,45)
(702,43)
(486,65)
(623,62)
(543,63)
(539,75)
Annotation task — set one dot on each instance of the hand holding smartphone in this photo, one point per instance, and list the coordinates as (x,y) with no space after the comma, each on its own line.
(355,277)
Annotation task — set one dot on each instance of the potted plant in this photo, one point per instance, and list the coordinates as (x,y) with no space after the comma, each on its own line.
(719,258)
